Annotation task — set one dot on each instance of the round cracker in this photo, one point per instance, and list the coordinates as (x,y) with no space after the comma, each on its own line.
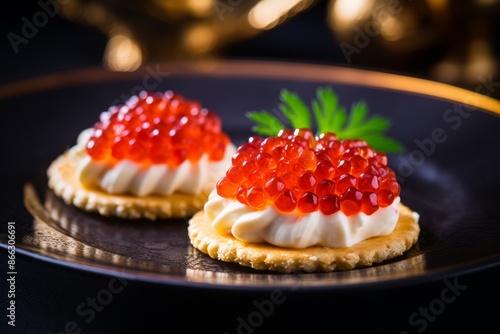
(264,256)
(61,179)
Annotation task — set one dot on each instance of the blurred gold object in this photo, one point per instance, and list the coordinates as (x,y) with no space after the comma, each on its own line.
(157,30)
(446,40)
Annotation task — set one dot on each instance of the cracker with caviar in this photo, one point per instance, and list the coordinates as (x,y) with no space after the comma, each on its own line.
(300,201)
(157,156)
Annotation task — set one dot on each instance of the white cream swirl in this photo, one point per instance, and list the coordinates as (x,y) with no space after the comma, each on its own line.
(159,179)
(297,231)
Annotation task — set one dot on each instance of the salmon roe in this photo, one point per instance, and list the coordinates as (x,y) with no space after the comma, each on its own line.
(157,128)
(297,171)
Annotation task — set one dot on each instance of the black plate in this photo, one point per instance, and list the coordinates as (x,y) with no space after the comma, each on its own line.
(448,172)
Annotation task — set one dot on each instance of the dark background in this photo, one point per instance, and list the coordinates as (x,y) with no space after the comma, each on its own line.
(62,44)
(46,290)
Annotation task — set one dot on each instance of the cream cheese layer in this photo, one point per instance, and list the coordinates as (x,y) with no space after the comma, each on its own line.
(157,179)
(294,230)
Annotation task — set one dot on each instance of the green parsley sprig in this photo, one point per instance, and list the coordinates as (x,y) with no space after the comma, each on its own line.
(329,116)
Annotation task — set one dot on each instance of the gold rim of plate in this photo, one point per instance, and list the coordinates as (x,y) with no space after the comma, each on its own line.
(264,70)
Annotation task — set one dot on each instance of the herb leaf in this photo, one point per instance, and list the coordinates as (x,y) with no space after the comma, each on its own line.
(266,123)
(329,117)
(325,101)
(295,110)
(384,144)
(359,111)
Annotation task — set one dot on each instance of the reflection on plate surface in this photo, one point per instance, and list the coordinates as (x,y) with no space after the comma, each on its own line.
(162,248)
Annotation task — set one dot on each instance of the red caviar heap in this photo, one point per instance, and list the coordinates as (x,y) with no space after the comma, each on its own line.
(297,170)
(157,128)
